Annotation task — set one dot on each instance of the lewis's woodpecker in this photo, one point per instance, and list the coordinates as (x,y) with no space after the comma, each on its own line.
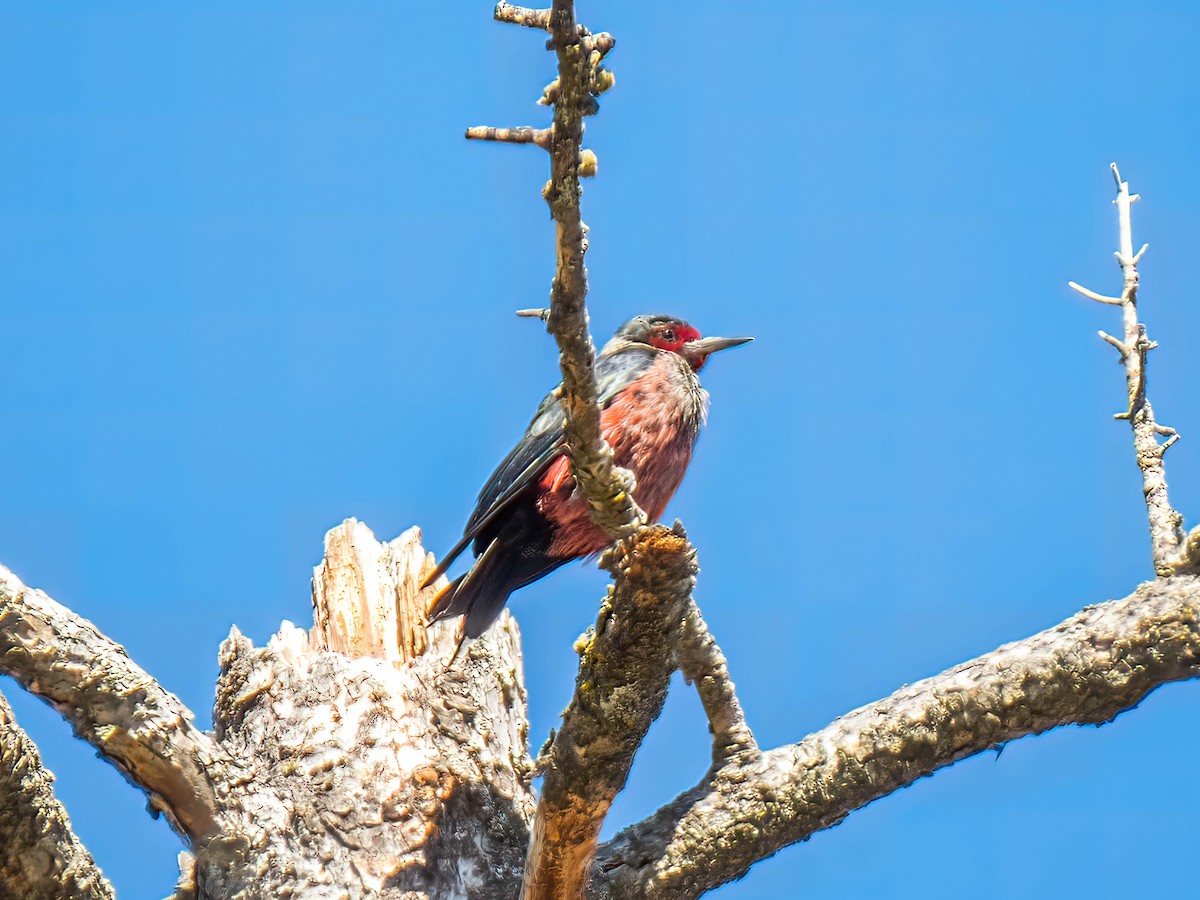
(529,520)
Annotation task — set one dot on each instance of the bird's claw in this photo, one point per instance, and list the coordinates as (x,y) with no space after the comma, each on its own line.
(626,478)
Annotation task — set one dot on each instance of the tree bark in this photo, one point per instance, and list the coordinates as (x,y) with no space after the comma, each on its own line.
(40,856)
(348,762)
(354,776)
(364,759)
(1086,670)
(376,770)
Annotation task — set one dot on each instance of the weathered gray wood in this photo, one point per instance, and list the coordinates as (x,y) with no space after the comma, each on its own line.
(370,775)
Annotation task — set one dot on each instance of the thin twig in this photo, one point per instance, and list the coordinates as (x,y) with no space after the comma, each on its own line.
(523,134)
(1167,539)
(520,15)
(1092,295)
(612,506)
(580,78)
(1117,343)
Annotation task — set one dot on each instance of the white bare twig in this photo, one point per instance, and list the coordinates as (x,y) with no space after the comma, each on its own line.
(1092,295)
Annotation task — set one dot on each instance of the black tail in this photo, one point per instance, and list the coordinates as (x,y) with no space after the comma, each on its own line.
(481,593)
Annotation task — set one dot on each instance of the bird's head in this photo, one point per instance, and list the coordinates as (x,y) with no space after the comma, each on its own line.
(673,335)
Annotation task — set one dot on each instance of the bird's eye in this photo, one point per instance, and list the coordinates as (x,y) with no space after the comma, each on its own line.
(668,335)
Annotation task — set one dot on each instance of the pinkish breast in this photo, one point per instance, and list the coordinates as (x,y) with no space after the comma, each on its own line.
(652,427)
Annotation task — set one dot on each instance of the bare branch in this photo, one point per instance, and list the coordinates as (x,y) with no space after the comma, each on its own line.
(613,508)
(703,664)
(1167,542)
(1091,295)
(1086,670)
(523,134)
(580,78)
(624,671)
(40,856)
(520,15)
(1120,347)
(114,705)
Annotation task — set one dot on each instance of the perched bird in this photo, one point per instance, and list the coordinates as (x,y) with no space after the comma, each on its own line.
(529,520)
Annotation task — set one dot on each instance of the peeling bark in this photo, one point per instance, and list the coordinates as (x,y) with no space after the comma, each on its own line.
(369,770)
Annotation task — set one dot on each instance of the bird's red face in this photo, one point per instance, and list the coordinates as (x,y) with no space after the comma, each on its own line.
(672,336)
(679,337)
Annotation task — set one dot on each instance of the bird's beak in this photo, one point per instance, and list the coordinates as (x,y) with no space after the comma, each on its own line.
(705,346)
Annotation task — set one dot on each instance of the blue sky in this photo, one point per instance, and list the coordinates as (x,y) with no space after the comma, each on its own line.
(253,281)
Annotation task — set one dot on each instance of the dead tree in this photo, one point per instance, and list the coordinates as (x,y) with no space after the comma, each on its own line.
(350,761)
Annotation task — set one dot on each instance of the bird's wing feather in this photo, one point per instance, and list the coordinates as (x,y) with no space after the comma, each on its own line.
(543,442)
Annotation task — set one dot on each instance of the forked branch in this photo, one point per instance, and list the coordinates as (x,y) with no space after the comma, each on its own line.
(624,669)
(1086,670)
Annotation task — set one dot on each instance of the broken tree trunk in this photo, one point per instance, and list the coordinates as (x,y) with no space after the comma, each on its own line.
(369,767)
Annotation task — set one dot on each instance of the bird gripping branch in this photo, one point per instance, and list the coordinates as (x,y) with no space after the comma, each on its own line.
(530,519)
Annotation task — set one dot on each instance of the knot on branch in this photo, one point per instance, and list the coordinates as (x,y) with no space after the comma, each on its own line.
(587,54)
(578,49)
(655,560)
(1187,561)
(607,488)
(580,62)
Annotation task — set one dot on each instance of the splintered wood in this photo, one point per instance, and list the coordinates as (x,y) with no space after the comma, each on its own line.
(367,597)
